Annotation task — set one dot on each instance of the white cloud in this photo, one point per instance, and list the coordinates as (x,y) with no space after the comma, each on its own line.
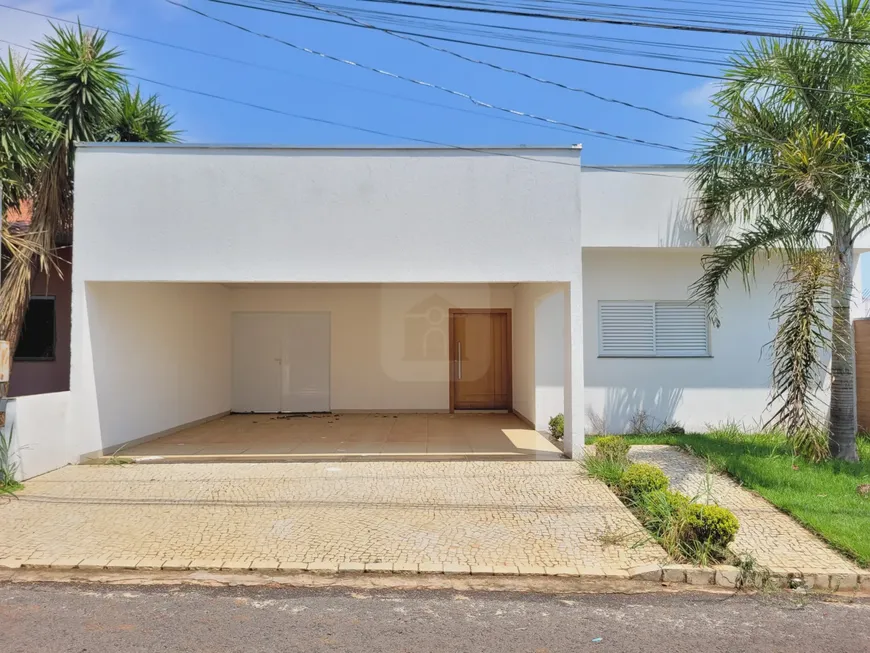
(699,97)
(23,28)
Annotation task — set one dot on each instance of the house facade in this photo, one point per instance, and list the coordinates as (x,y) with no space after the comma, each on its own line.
(211,280)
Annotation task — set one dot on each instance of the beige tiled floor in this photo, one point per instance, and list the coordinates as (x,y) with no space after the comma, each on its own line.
(354,436)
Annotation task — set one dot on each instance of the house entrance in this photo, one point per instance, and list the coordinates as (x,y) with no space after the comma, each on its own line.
(480,354)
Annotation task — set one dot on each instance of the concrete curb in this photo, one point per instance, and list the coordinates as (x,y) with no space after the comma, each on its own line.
(722,576)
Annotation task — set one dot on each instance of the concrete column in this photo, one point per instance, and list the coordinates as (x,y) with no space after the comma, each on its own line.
(574,388)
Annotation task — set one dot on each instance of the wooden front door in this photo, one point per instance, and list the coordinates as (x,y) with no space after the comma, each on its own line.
(480,353)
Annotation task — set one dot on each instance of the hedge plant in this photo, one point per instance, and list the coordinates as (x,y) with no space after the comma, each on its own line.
(641,479)
(613,448)
(710,524)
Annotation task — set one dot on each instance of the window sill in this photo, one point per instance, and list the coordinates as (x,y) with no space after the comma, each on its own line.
(630,356)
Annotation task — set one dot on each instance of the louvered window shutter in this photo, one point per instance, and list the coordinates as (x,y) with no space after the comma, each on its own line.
(627,328)
(666,329)
(681,329)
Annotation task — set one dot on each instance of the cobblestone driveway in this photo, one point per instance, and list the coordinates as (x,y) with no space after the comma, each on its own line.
(477,513)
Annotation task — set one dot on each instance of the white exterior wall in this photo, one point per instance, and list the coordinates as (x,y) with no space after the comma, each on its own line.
(147,358)
(539,352)
(39,428)
(732,384)
(638,207)
(378,334)
(146,213)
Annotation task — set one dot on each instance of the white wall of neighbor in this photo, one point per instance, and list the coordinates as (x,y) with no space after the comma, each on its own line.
(539,351)
(389,347)
(147,357)
(732,384)
(38,425)
(182,213)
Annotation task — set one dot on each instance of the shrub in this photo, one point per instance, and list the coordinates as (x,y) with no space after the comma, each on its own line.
(610,472)
(640,422)
(673,428)
(8,464)
(641,479)
(663,504)
(663,513)
(557,426)
(811,444)
(709,524)
(612,447)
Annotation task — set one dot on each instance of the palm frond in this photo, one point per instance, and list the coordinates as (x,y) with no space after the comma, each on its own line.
(82,78)
(740,253)
(138,119)
(24,128)
(803,315)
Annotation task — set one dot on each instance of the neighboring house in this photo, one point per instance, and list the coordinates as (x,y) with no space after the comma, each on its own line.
(41,360)
(211,279)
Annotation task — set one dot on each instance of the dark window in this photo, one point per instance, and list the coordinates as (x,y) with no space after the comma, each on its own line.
(37,337)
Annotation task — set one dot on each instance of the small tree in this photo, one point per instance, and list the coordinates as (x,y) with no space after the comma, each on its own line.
(789,162)
(75,91)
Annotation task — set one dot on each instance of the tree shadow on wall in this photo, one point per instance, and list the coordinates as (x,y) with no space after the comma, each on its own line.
(634,409)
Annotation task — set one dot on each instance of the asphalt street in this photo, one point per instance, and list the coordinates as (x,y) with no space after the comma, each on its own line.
(55,617)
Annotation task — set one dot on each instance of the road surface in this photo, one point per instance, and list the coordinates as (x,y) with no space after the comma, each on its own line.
(50,617)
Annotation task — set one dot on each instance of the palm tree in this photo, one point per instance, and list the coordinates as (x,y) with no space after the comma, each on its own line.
(75,92)
(785,171)
(23,125)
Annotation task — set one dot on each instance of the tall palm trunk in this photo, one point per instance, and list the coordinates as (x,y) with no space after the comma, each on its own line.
(843,420)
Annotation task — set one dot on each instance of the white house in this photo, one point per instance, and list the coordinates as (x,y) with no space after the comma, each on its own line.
(211,279)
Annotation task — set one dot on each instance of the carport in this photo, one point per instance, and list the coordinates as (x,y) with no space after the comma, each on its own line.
(281,371)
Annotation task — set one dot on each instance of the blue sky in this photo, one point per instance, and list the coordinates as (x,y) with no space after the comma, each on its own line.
(317,87)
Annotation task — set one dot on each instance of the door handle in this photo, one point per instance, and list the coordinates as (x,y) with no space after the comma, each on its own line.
(459,361)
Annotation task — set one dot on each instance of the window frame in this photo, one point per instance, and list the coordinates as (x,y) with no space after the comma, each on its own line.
(41,359)
(653,303)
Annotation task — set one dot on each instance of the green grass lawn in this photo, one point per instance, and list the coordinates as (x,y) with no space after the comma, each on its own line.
(822,496)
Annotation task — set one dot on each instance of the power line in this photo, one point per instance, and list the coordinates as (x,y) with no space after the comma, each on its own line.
(470,98)
(508,70)
(625,23)
(377,132)
(283,71)
(729,17)
(286,72)
(299,116)
(450,29)
(719,16)
(459,26)
(556,55)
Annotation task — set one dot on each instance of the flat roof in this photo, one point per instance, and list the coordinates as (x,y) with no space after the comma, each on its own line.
(320,148)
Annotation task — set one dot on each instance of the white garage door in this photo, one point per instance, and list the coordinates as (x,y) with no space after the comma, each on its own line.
(281,362)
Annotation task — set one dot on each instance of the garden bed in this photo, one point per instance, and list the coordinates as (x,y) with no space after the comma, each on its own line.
(823,496)
(690,529)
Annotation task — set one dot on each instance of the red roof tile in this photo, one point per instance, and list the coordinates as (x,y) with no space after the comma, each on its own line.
(20,216)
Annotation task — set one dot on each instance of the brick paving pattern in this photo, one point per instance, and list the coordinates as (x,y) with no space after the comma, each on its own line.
(771,537)
(464,514)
